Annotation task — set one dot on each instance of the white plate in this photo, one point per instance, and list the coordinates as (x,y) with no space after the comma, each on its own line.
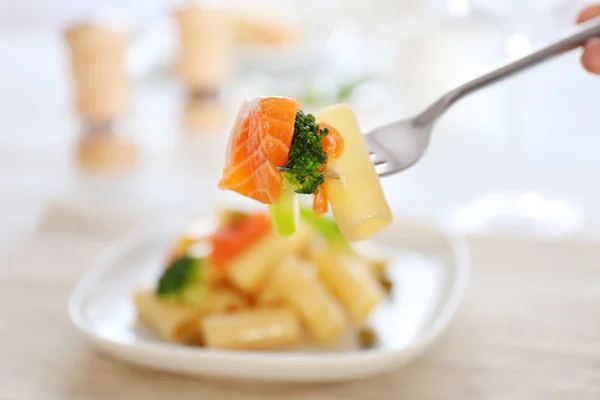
(430,274)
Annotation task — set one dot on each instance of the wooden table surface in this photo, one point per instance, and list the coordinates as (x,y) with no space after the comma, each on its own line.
(529,328)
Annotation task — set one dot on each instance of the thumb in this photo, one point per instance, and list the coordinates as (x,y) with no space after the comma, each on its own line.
(590,59)
(588,13)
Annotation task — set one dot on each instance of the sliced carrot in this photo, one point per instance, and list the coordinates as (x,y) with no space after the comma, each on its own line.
(231,241)
(333,143)
(320,201)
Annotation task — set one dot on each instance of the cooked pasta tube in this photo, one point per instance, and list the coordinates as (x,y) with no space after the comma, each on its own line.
(320,312)
(173,322)
(249,269)
(351,283)
(252,330)
(215,276)
(268,296)
(357,200)
(223,300)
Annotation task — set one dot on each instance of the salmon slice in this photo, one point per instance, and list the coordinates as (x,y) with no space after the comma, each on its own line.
(259,142)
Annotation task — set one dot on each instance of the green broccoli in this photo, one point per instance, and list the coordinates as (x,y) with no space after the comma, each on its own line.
(325,227)
(303,176)
(185,281)
(306,155)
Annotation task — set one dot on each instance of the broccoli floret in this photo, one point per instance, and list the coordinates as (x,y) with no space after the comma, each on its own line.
(185,281)
(306,156)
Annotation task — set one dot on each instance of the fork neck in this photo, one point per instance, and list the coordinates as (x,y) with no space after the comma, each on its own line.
(576,37)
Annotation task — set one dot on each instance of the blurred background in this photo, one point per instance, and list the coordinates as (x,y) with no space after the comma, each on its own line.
(126,105)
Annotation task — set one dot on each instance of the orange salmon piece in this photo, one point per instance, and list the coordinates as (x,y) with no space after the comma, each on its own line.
(259,143)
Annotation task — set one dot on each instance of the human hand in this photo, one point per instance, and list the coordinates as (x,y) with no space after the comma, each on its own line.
(590,58)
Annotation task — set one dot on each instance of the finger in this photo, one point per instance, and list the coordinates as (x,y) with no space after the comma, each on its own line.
(588,13)
(590,59)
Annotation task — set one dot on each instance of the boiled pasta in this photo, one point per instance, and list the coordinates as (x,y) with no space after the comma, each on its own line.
(357,200)
(350,282)
(173,322)
(223,300)
(299,285)
(248,271)
(269,296)
(249,289)
(252,330)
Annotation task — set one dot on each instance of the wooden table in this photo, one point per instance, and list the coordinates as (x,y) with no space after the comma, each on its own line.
(527,329)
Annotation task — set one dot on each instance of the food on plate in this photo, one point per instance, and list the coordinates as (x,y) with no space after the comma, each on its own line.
(350,281)
(252,329)
(173,322)
(300,286)
(269,296)
(248,268)
(240,286)
(276,151)
(367,338)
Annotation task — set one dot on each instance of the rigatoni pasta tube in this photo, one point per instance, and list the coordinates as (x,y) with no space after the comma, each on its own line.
(222,300)
(351,283)
(173,322)
(252,330)
(268,296)
(319,311)
(357,198)
(249,269)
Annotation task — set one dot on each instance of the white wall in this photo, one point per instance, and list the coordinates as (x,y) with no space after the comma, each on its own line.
(26,14)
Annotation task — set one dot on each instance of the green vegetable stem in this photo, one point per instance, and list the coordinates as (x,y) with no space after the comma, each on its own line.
(285,214)
(325,227)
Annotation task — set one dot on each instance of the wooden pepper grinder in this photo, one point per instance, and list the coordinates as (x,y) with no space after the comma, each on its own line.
(205,62)
(204,113)
(102,95)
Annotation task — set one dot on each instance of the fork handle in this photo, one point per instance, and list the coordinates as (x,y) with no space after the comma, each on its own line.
(575,38)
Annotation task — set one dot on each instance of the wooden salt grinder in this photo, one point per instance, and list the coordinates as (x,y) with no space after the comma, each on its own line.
(102,95)
(205,61)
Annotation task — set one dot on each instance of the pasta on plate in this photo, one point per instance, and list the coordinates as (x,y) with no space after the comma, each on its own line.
(243,287)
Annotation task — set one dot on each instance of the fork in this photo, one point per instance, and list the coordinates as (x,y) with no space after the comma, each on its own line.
(398,146)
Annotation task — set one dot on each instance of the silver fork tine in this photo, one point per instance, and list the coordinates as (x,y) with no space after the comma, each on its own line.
(377,159)
(379,156)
